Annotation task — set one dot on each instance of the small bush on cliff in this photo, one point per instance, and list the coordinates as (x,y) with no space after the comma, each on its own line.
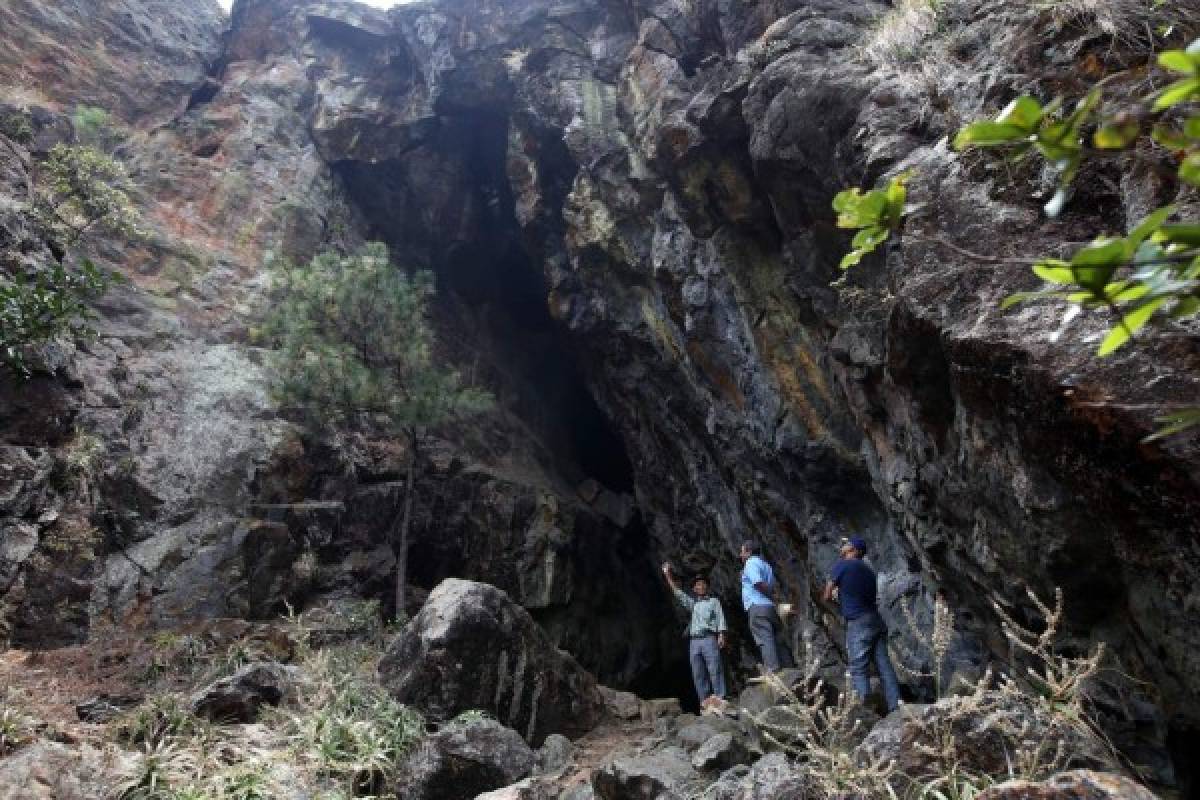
(1152,272)
(76,192)
(355,340)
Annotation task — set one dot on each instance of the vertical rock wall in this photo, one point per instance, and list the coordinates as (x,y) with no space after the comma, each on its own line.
(634,197)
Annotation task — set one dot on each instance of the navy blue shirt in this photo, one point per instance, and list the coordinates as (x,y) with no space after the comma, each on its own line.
(856,587)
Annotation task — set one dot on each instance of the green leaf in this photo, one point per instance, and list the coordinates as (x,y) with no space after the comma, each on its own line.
(868,239)
(1130,324)
(1176,93)
(1170,138)
(1189,170)
(1187,234)
(1191,127)
(851,259)
(1054,271)
(897,196)
(1116,134)
(988,134)
(1024,113)
(1152,222)
(1177,233)
(847,200)
(1177,61)
(1186,307)
(1023,297)
(1105,251)
(1174,423)
(1129,294)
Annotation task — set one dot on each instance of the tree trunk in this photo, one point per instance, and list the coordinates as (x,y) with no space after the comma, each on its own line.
(401,543)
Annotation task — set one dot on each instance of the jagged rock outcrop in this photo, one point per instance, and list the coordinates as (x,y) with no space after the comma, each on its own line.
(156,480)
(472,647)
(657,175)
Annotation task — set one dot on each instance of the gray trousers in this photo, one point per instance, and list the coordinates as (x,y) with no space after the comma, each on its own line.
(705,657)
(767,630)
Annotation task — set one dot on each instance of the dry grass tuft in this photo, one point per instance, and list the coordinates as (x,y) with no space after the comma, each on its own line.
(902,35)
(1131,23)
(1034,713)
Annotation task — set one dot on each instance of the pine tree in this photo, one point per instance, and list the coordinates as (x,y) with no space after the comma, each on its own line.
(354,339)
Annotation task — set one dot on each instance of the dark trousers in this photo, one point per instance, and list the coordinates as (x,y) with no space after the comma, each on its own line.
(767,630)
(705,657)
(867,643)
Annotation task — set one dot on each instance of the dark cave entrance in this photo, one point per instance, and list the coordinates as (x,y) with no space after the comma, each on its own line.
(446,205)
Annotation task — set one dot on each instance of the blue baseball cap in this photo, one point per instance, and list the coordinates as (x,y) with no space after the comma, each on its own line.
(859,544)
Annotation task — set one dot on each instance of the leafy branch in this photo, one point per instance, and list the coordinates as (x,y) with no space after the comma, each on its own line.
(1151,273)
(75,192)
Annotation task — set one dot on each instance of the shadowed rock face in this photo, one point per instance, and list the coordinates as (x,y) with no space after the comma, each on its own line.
(641,191)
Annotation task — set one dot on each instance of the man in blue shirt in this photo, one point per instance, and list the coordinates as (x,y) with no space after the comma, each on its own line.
(758,592)
(866,633)
(706,637)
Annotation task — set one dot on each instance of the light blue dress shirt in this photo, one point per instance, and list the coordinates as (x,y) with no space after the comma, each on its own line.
(756,571)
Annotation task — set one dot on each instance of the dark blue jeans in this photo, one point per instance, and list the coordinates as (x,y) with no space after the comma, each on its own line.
(866,641)
(706,667)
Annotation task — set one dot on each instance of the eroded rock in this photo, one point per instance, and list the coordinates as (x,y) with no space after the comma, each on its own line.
(472,647)
(463,760)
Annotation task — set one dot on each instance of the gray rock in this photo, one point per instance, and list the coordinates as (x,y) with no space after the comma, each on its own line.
(721,752)
(660,708)
(105,707)
(773,777)
(622,705)
(525,790)
(696,734)
(555,753)
(665,774)
(51,771)
(464,760)
(583,791)
(239,697)
(1074,785)
(472,647)
(761,696)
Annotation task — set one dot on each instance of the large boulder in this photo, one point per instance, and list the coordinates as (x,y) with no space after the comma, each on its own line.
(463,760)
(472,647)
(1079,784)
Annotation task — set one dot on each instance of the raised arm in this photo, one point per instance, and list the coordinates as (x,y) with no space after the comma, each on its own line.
(684,600)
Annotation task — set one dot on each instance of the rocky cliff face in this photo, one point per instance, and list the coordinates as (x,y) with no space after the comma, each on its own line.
(627,205)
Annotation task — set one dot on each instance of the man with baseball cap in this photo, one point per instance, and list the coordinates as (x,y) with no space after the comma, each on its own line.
(706,637)
(866,632)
